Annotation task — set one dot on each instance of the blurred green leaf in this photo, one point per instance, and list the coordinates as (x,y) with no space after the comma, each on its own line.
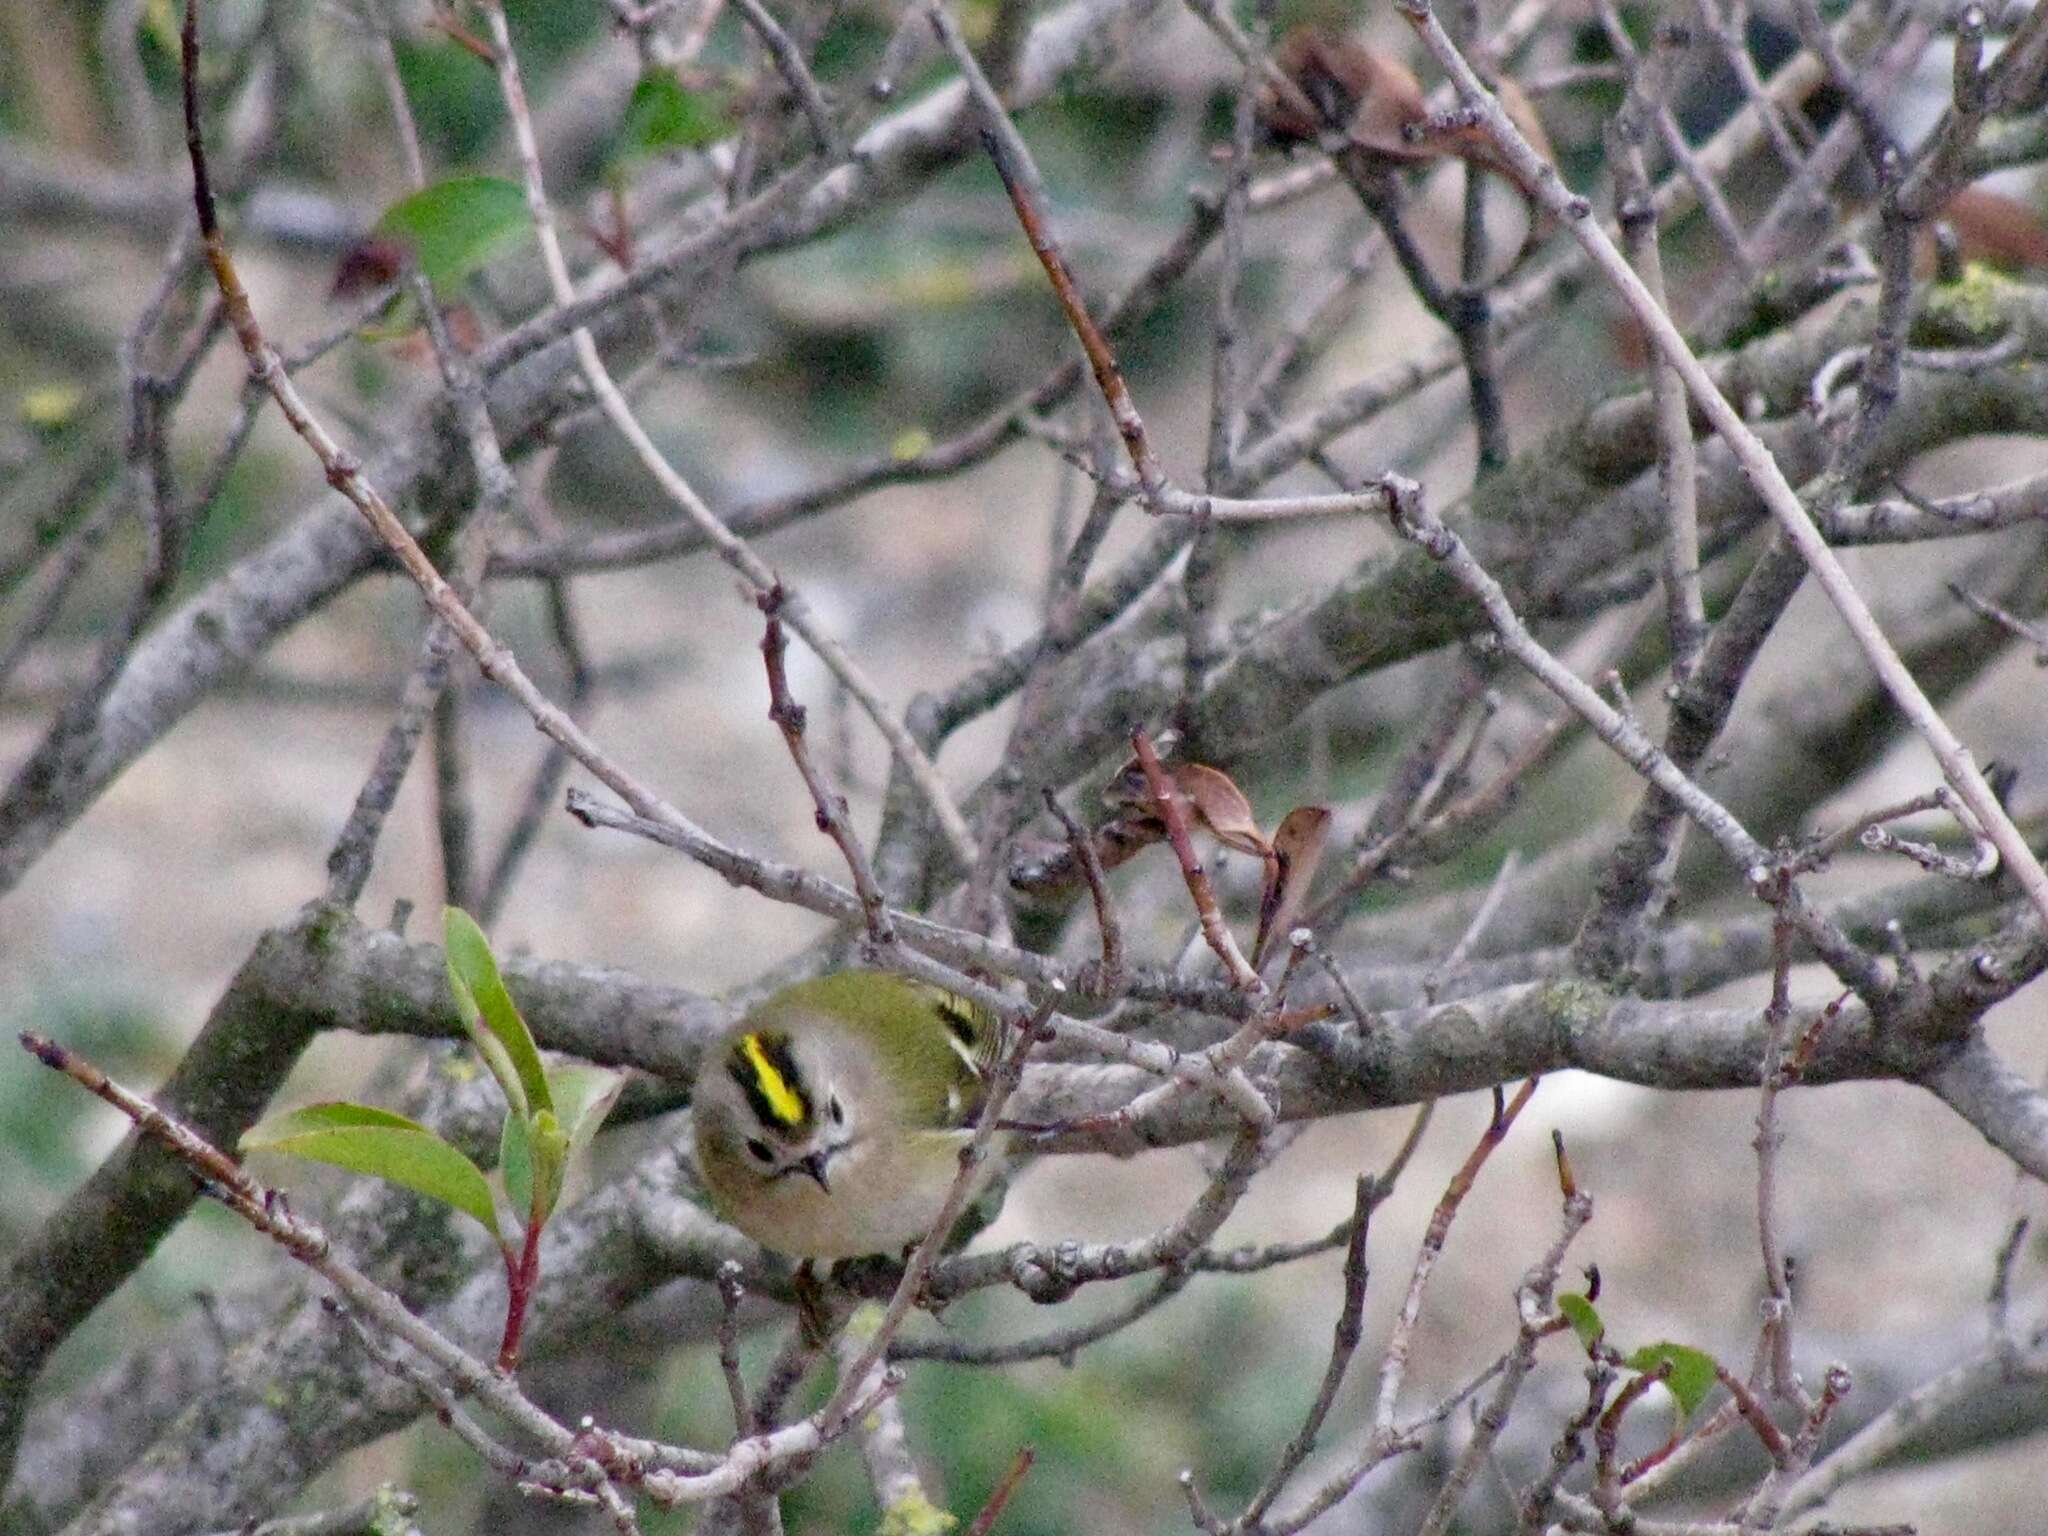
(454,227)
(491,1017)
(909,443)
(454,97)
(160,25)
(364,1139)
(51,407)
(1692,1371)
(1584,1320)
(661,116)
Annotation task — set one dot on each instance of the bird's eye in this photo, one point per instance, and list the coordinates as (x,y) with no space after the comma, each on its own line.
(838,1111)
(760,1150)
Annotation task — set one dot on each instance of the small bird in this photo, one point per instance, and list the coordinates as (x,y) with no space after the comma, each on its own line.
(830,1120)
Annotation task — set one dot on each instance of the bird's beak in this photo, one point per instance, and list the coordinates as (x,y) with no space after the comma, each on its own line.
(814,1165)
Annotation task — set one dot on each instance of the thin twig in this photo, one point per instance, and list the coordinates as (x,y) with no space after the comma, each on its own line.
(1539,1320)
(730,1294)
(999,1496)
(1109,977)
(1020,179)
(1481,917)
(789,63)
(1677,455)
(1173,811)
(830,805)
(1777,1305)
(1395,1364)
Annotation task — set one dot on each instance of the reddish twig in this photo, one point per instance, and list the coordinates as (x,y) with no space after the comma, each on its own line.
(522,1275)
(1607,1429)
(1173,811)
(223,1174)
(1013,164)
(788,716)
(1107,978)
(1396,1362)
(1755,1414)
(993,1509)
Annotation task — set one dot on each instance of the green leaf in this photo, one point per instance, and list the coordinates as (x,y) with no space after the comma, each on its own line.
(1584,1320)
(491,1017)
(377,1142)
(550,1150)
(515,1165)
(661,115)
(1693,1372)
(583,1097)
(540,1153)
(454,227)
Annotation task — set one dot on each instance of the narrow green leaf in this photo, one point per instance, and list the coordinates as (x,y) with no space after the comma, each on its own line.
(661,115)
(386,1146)
(491,1016)
(1584,1320)
(495,1056)
(456,226)
(332,1115)
(515,1165)
(1692,1371)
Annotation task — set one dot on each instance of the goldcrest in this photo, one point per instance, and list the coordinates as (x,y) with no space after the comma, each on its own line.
(830,1120)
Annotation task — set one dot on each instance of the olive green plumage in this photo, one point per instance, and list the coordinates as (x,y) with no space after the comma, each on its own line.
(829,1121)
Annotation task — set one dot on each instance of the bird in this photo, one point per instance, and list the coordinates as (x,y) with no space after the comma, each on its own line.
(830,1120)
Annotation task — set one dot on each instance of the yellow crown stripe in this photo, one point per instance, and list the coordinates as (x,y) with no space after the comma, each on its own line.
(784,1102)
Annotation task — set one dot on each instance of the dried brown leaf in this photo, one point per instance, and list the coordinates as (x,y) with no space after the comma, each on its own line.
(1999,230)
(1378,101)
(1219,807)
(1371,94)
(1298,847)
